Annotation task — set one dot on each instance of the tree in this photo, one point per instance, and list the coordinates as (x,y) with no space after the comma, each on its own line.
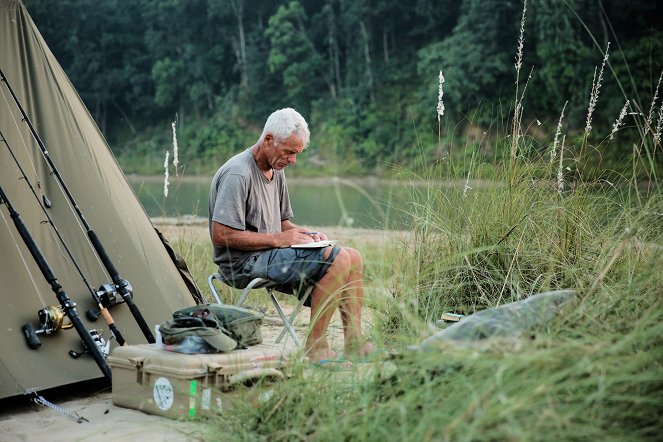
(293,56)
(477,58)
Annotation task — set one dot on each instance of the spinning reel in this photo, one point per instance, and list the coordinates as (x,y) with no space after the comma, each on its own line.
(51,319)
(108,295)
(99,342)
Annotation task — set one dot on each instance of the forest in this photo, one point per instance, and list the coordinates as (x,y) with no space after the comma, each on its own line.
(365,74)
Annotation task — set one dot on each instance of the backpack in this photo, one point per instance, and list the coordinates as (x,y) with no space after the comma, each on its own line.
(223,327)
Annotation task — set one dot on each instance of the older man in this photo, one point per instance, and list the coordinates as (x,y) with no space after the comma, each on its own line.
(251,231)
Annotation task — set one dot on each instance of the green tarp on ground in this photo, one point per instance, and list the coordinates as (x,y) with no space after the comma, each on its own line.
(103,195)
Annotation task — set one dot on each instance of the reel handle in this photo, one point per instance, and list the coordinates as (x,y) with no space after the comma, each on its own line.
(93,314)
(31,336)
(77,354)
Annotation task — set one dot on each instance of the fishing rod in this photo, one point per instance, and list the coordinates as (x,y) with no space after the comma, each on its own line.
(68,306)
(122,286)
(96,296)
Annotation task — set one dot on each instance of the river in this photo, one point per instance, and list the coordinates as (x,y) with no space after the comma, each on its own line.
(362,203)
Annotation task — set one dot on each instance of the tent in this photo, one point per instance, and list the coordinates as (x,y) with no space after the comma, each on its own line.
(104,197)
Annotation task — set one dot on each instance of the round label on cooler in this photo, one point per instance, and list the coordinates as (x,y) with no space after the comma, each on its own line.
(163,394)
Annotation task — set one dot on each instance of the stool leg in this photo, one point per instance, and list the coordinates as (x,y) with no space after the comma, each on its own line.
(247,290)
(210,282)
(298,307)
(287,324)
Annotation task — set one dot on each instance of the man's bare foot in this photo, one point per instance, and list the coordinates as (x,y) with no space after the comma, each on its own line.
(326,356)
(363,350)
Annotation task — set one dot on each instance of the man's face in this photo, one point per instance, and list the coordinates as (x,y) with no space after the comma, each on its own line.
(284,153)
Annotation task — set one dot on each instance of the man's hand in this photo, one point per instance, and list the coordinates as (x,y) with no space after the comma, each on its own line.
(317,236)
(286,226)
(297,235)
(224,236)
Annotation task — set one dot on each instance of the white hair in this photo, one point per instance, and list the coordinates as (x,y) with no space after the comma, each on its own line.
(285,122)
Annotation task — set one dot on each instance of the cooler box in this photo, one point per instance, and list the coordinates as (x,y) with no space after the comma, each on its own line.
(156,381)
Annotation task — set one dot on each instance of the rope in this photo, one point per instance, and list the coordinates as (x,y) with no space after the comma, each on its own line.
(40,400)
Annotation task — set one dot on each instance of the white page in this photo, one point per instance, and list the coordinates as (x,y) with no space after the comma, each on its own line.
(314,245)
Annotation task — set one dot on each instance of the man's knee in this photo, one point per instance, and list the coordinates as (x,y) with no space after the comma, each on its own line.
(356,261)
(342,262)
(347,261)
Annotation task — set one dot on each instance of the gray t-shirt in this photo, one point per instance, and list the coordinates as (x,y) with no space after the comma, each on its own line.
(242,198)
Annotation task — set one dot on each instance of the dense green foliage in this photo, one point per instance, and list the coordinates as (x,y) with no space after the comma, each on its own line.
(364,72)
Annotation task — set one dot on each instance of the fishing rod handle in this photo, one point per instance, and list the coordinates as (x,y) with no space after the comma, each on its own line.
(111,324)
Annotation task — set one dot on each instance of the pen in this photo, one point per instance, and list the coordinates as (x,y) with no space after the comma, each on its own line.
(311,233)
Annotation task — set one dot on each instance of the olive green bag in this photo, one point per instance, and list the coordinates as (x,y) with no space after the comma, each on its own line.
(240,324)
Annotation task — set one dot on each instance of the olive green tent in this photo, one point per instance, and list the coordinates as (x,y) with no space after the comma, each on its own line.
(90,172)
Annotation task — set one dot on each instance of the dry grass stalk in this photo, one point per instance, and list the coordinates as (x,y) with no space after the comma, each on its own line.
(620,120)
(560,169)
(521,40)
(650,116)
(440,94)
(553,152)
(518,119)
(659,125)
(176,160)
(466,186)
(596,89)
(166,183)
(517,112)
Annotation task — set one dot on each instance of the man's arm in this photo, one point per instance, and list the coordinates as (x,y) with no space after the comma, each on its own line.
(224,236)
(286,224)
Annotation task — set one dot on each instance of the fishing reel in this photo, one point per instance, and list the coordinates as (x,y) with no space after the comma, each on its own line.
(109,295)
(99,341)
(51,319)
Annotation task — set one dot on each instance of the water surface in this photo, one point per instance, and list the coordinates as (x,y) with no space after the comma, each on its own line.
(316,202)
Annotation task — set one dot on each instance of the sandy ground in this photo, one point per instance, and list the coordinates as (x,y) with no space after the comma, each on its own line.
(22,420)
(105,422)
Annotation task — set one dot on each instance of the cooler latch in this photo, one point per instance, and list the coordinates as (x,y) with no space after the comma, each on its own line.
(138,367)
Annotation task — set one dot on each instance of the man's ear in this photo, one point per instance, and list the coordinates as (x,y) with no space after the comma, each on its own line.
(269,138)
